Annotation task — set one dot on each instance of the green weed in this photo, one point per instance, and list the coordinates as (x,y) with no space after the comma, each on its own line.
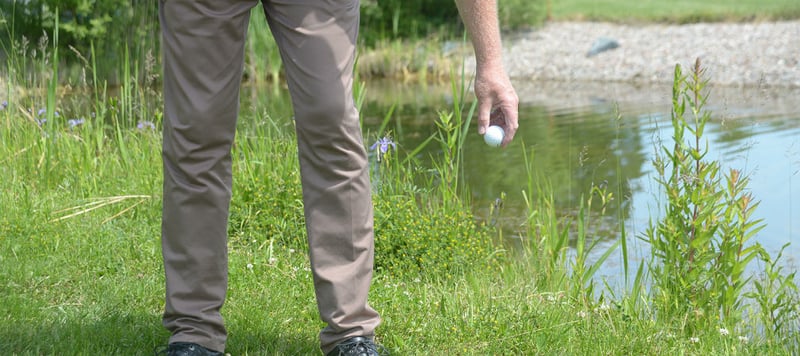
(702,246)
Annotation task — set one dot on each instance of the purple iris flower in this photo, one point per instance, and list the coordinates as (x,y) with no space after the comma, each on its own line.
(75,122)
(4,105)
(43,112)
(382,146)
(145,125)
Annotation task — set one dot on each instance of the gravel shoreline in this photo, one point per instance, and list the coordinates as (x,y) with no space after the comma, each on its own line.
(765,54)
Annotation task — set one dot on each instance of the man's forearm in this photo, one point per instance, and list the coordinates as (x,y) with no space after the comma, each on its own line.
(480,19)
(497,99)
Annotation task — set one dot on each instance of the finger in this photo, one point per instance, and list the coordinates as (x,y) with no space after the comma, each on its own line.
(497,118)
(511,124)
(484,110)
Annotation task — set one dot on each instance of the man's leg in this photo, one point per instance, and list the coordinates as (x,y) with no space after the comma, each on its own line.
(203,49)
(317,40)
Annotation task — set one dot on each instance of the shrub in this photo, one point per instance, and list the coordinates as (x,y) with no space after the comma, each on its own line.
(410,239)
(81,22)
(419,18)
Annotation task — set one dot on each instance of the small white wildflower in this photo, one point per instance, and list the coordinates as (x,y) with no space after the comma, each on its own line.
(417,280)
(694,340)
(724,332)
(249,266)
(255,241)
(291,250)
(272,260)
(743,339)
(582,314)
(551,298)
(602,308)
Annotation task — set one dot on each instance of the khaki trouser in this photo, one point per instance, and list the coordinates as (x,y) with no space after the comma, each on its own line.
(203,49)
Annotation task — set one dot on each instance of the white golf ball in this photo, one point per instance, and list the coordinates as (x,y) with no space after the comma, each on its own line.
(494,135)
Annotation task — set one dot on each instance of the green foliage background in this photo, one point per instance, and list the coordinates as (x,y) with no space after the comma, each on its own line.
(105,22)
(81,22)
(106,33)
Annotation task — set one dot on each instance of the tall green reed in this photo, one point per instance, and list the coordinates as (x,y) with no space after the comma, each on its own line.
(561,248)
(776,296)
(452,129)
(50,106)
(701,247)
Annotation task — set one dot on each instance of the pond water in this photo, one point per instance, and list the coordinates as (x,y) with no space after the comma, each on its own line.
(585,134)
(594,133)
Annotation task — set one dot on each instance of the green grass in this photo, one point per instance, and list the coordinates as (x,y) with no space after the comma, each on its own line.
(680,11)
(81,287)
(103,297)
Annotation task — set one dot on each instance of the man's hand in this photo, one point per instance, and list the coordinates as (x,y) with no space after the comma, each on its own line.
(497,102)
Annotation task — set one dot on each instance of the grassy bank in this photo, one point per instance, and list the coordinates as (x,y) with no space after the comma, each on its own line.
(685,11)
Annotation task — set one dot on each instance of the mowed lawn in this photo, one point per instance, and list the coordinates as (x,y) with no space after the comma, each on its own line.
(680,11)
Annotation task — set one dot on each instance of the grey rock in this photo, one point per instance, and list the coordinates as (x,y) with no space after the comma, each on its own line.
(601,45)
